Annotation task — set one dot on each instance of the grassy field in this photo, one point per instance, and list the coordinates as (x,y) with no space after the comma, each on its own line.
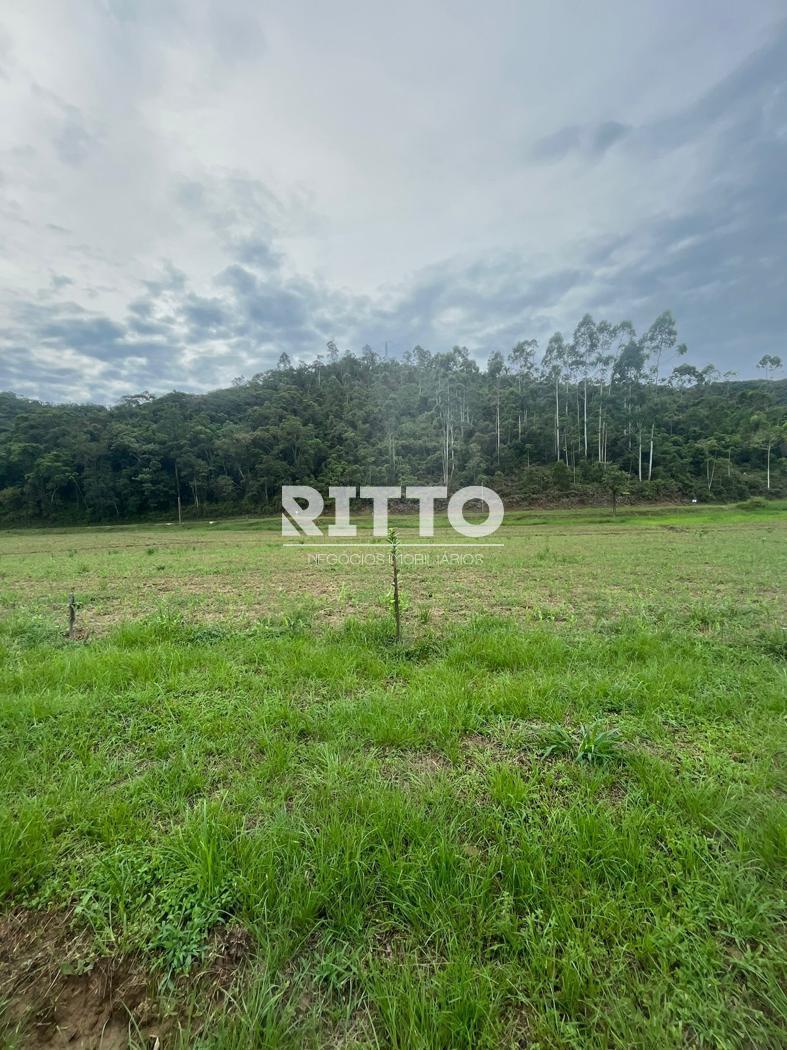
(233,813)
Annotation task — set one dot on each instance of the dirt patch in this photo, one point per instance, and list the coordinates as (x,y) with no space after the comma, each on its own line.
(57,992)
(404,767)
(427,763)
(229,951)
(478,748)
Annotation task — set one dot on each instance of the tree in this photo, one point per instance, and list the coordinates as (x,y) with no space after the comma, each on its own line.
(710,450)
(768,432)
(616,482)
(659,343)
(552,366)
(494,368)
(521,362)
(585,346)
(770,364)
(686,375)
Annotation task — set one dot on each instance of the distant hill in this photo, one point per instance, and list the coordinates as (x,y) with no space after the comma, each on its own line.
(531,431)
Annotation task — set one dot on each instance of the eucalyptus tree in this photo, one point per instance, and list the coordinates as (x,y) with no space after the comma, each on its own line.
(553,366)
(629,372)
(610,340)
(660,343)
(686,375)
(494,369)
(521,363)
(770,365)
(585,352)
(709,449)
(769,430)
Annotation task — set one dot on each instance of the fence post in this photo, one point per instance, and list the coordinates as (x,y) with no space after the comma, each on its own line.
(393,540)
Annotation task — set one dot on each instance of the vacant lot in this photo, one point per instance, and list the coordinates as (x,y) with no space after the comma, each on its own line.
(234,813)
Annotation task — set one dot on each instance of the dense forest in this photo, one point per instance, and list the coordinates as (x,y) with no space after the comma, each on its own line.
(604,410)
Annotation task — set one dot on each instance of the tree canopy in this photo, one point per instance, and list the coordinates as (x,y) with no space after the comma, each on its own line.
(532,425)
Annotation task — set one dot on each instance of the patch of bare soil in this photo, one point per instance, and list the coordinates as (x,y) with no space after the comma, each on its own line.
(476,745)
(57,992)
(57,995)
(402,767)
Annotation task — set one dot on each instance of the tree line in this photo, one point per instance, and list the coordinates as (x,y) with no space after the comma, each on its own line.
(605,408)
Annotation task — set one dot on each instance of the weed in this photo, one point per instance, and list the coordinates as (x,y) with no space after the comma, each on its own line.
(557,741)
(597,744)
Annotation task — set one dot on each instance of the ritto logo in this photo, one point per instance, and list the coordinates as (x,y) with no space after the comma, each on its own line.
(302,505)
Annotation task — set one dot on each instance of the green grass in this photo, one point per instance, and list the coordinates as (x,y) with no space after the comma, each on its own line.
(571,568)
(516,829)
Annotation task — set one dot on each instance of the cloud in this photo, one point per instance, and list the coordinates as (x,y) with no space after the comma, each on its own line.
(587,142)
(188,191)
(206,316)
(72,137)
(59,280)
(73,141)
(236,35)
(253,251)
(558,144)
(606,135)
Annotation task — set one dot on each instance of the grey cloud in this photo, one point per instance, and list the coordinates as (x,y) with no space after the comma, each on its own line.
(141,307)
(557,145)
(751,95)
(732,241)
(253,251)
(139,326)
(606,135)
(236,35)
(96,335)
(239,279)
(6,58)
(487,305)
(73,138)
(715,257)
(59,280)
(273,311)
(173,280)
(590,142)
(205,318)
(73,142)
(232,204)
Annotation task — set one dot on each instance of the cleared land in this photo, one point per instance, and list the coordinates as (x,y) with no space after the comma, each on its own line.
(233,813)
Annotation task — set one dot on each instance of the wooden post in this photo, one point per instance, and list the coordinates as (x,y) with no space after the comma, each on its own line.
(177,484)
(394,541)
(72,615)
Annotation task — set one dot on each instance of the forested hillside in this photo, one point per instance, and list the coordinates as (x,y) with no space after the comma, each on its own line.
(533,425)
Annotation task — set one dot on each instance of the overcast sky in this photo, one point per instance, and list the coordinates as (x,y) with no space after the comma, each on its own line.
(189,189)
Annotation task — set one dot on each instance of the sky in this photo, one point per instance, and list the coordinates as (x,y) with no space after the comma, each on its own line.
(189,189)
